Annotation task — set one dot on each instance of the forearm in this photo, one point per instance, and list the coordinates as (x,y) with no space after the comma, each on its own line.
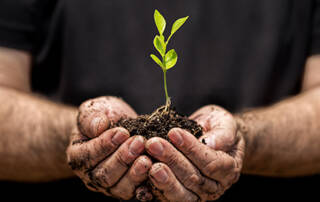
(283,139)
(34,136)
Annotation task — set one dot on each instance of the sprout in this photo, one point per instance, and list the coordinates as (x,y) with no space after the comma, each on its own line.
(168,59)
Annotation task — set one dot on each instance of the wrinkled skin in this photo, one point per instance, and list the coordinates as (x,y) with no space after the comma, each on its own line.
(198,170)
(107,160)
(110,161)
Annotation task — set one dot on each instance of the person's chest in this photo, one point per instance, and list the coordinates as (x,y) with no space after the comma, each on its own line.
(227,52)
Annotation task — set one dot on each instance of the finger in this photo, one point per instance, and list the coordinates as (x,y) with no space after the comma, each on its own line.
(96,115)
(109,171)
(143,193)
(84,155)
(163,179)
(92,119)
(183,169)
(216,165)
(125,188)
(218,126)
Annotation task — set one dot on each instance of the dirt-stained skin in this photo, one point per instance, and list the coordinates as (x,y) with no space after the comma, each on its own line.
(189,170)
(112,162)
(107,160)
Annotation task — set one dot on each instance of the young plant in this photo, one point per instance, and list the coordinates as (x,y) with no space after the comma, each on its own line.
(168,59)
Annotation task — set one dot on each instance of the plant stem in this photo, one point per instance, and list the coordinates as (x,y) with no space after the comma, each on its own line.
(168,39)
(165,86)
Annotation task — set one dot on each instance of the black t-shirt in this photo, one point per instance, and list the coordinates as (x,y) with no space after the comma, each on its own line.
(237,54)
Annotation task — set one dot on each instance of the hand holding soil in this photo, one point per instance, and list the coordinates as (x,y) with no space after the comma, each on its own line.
(198,169)
(107,160)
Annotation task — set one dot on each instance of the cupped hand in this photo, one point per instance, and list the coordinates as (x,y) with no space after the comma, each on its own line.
(107,160)
(198,169)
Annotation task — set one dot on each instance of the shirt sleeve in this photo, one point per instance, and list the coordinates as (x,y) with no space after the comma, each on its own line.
(17,24)
(315,30)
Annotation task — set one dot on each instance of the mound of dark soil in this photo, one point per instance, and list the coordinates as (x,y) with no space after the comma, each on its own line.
(159,123)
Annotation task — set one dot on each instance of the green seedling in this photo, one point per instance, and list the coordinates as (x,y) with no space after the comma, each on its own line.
(168,59)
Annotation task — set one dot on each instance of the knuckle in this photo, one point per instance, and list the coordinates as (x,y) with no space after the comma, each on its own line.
(210,168)
(122,159)
(171,186)
(211,193)
(172,160)
(104,146)
(220,164)
(77,162)
(228,165)
(190,149)
(214,195)
(210,190)
(101,177)
(193,180)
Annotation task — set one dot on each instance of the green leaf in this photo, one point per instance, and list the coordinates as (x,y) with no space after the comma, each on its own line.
(160,45)
(177,24)
(170,59)
(160,22)
(162,38)
(157,60)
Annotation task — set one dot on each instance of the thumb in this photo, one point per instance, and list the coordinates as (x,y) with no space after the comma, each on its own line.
(97,115)
(219,127)
(219,139)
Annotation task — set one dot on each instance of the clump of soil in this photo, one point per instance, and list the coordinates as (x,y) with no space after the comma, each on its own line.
(159,123)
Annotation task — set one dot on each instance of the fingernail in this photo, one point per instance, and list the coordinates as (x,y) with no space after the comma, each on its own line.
(160,175)
(137,145)
(141,167)
(176,138)
(119,137)
(155,148)
(98,125)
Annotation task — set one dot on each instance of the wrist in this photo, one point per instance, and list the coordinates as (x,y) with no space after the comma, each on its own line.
(244,123)
(68,123)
